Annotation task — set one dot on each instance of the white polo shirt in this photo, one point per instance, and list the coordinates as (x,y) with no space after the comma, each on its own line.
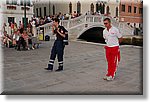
(111,36)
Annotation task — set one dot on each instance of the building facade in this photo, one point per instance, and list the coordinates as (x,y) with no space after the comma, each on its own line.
(51,7)
(13,11)
(131,11)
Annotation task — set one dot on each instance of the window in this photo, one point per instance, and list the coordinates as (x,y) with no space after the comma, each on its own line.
(96,7)
(134,9)
(140,10)
(107,10)
(37,12)
(116,11)
(14,2)
(92,8)
(7,1)
(78,7)
(123,8)
(70,8)
(103,9)
(53,10)
(44,11)
(40,12)
(28,2)
(129,9)
(21,2)
(11,2)
(100,7)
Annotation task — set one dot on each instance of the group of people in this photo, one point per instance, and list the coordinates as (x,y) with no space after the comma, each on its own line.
(47,19)
(18,36)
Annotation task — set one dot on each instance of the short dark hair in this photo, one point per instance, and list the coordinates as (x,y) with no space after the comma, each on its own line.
(107,19)
(56,20)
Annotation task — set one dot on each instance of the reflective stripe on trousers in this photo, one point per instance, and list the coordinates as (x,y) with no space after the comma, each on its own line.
(57,49)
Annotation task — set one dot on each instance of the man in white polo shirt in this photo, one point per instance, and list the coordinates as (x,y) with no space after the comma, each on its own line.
(112,38)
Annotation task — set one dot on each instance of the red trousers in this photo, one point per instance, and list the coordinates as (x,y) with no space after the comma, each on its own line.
(113,58)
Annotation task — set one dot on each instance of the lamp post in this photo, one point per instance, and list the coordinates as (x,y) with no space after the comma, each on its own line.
(25,22)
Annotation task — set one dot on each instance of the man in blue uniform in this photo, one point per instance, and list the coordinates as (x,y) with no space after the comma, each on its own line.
(58,46)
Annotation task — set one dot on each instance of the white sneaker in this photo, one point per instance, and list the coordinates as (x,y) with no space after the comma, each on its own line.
(28,48)
(110,78)
(32,48)
(105,77)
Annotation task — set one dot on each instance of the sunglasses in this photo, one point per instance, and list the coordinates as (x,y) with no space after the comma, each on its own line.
(105,23)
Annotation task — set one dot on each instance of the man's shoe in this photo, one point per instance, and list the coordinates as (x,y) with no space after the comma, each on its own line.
(48,69)
(60,68)
(110,78)
(105,77)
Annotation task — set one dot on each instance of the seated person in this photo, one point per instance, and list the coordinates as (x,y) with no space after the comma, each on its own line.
(16,37)
(22,42)
(30,41)
(26,38)
(7,41)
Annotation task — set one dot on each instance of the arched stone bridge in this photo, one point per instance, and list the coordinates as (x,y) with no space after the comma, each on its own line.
(77,26)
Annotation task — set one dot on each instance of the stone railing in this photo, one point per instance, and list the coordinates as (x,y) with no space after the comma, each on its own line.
(73,22)
(84,19)
(123,27)
(84,22)
(95,20)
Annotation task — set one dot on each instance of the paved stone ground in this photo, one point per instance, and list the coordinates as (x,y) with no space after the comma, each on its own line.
(84,68)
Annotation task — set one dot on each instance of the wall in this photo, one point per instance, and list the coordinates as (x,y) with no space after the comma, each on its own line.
(63,6)
(18,14)
(131,17)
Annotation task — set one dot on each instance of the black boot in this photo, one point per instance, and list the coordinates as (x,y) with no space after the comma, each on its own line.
(60,68)
(50,67)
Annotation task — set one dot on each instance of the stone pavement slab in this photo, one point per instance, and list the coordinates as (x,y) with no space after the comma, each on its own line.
(84,69)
